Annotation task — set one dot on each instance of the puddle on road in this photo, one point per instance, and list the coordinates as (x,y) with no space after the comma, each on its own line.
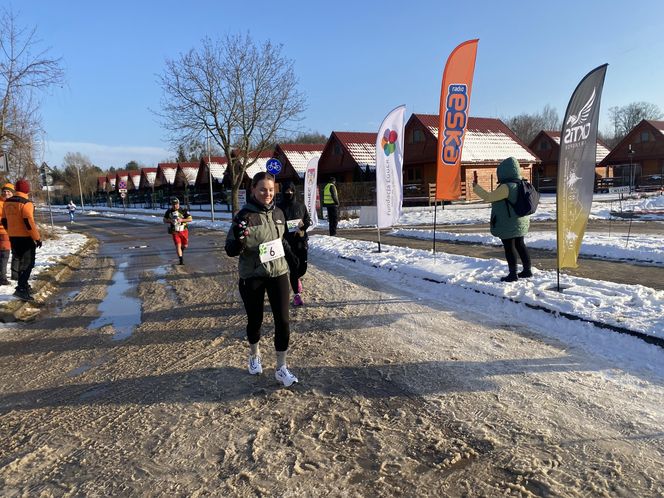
(62,302)
(160,272)
(119,309)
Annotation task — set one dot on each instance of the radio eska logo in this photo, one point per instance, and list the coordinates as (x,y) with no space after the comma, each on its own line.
(578,125)
(456,115)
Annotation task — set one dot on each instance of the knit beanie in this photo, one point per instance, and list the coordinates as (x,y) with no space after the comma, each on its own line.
(9,186)
(23,186)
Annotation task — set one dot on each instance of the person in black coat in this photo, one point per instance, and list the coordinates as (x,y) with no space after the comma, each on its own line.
(298,220)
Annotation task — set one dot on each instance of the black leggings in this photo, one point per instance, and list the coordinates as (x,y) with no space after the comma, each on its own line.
(301,269)
(252,291)
(512,248)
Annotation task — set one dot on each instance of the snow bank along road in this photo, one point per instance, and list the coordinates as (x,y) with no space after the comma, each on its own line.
(398,396)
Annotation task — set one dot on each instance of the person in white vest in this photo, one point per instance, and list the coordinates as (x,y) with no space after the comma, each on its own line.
(71,209)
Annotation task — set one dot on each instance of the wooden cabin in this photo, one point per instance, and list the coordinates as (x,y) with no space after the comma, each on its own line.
(546,146)
(349,157)
(638,159)
(295,158)
(487,142)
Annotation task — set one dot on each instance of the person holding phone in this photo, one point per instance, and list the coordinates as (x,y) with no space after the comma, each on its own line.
(257,237)
(508,227)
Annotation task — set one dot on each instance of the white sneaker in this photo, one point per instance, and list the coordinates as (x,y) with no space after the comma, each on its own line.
(284,376)
(255,366)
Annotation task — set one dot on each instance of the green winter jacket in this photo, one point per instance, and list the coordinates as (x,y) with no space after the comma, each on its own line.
(265,223)
(505,224)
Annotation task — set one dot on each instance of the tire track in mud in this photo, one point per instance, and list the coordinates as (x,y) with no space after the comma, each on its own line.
(103,423)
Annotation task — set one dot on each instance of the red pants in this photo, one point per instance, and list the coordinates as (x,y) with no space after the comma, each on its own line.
(181,238)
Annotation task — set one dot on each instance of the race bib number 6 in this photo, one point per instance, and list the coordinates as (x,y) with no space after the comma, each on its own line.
(269,251)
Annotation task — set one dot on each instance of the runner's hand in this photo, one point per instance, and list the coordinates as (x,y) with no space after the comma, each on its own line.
(240,229)
(38,243)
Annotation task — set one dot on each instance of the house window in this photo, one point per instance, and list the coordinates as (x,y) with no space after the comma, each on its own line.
(413,174)
(337,149)
(544,145)
(645,136)
(418,136)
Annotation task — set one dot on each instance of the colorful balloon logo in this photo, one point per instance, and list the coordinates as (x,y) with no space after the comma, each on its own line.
(388,141)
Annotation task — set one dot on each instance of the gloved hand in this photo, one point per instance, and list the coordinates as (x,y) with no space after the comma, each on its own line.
(240,229)
(38,243)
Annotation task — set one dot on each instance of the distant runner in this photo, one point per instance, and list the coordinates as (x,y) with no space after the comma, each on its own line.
(177,219)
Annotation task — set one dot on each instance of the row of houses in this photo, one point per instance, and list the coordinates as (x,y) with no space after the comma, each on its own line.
(351,158)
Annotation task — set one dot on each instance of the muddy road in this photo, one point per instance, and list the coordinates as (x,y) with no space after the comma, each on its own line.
(397,396)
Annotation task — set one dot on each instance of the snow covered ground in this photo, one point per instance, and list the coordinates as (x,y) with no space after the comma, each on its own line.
(442,276)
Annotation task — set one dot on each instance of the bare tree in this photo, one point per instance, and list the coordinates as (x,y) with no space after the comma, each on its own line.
(25,70)
(193,151)
(527,126)
(77,165)
(312,137)
(626,117)
(241,94)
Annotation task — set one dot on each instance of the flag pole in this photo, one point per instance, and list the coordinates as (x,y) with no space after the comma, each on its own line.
(435,211)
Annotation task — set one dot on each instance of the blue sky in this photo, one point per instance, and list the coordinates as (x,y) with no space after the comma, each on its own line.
(355,60)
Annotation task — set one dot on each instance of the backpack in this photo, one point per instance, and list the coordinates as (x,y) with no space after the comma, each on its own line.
(527,199)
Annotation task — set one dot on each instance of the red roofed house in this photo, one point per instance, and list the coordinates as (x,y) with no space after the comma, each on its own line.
(349,157)
(148,178)
(259,165)
(546,146)
(165,175)
(146,184)
(217,170)
(134,182)
(122,179)
(164,181)
(295,158)
(487,142)
(643,168)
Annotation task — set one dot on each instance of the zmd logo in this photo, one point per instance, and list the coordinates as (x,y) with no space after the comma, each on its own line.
(456,114)
(578,127)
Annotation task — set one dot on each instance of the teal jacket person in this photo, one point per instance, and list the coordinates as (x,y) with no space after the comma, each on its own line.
(505,224)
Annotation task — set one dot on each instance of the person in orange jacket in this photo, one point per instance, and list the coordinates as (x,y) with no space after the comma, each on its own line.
(19,221)
(5,247)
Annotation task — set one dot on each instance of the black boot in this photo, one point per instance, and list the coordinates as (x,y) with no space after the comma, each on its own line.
(526,273)
(511,277)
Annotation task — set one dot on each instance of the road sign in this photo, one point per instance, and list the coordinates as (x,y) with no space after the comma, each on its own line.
(273,166)
(619,190)
(122,185)
(123,194)
(122,190)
